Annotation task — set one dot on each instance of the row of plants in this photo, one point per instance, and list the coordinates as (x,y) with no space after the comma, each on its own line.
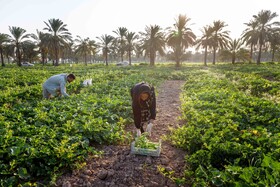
(42,138)
(231,113)
(232,126)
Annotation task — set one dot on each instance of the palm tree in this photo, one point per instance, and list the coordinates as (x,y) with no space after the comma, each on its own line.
(29,51)
(139,50)
(92,48)
(8,51)
(234,46)
(41,40)
(67,51)
(120,40)
(152,42)
(4,38)
(250,36)
(264,19)
(105,44)
(18,36)
(85,47)
(235,51)
(130,38)
(180,38)
(220,38)
(274,41)
(59,36)
(82,47)
(205,41)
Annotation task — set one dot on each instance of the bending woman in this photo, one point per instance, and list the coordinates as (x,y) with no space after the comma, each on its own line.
(143,106)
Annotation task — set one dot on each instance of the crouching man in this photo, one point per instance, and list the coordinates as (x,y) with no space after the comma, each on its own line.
(56,85)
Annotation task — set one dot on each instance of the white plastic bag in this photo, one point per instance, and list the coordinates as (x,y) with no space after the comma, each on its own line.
(149,128)
(87,82)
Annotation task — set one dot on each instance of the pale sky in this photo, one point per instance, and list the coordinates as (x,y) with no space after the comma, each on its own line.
(93,18)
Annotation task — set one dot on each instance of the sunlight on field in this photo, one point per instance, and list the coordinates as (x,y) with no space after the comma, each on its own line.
(227,110)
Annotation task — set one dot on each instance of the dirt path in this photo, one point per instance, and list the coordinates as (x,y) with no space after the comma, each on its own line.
(118,168)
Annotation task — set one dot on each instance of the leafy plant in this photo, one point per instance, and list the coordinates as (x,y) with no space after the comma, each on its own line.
(143,142)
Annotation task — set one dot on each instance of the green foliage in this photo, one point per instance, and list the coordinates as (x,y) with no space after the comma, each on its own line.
(41,138)
(232,126)
(143,142)
(231,112)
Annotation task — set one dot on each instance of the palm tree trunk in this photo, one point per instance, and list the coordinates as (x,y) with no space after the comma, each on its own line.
(85,59)
(260,50)
(2,58)
(214,56)
(251,54)
(152,57)
(129,57)
(205,56)
(233,59)
(106,58)
(56,55)
(259,55)
(178,54)
(273,52)
(43,57)
(18,55)
(121,56)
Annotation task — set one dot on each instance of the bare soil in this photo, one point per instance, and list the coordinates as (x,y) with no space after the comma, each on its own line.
(117,167)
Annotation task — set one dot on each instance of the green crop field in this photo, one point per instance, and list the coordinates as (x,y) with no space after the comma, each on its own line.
(231,114)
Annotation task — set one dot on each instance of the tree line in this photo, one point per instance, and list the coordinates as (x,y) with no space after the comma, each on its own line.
(55,42)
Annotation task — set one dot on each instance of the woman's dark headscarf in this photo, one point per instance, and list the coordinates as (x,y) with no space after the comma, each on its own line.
(138,106)
(138,89)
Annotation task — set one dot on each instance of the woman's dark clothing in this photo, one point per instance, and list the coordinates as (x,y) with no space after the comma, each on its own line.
(143,111)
